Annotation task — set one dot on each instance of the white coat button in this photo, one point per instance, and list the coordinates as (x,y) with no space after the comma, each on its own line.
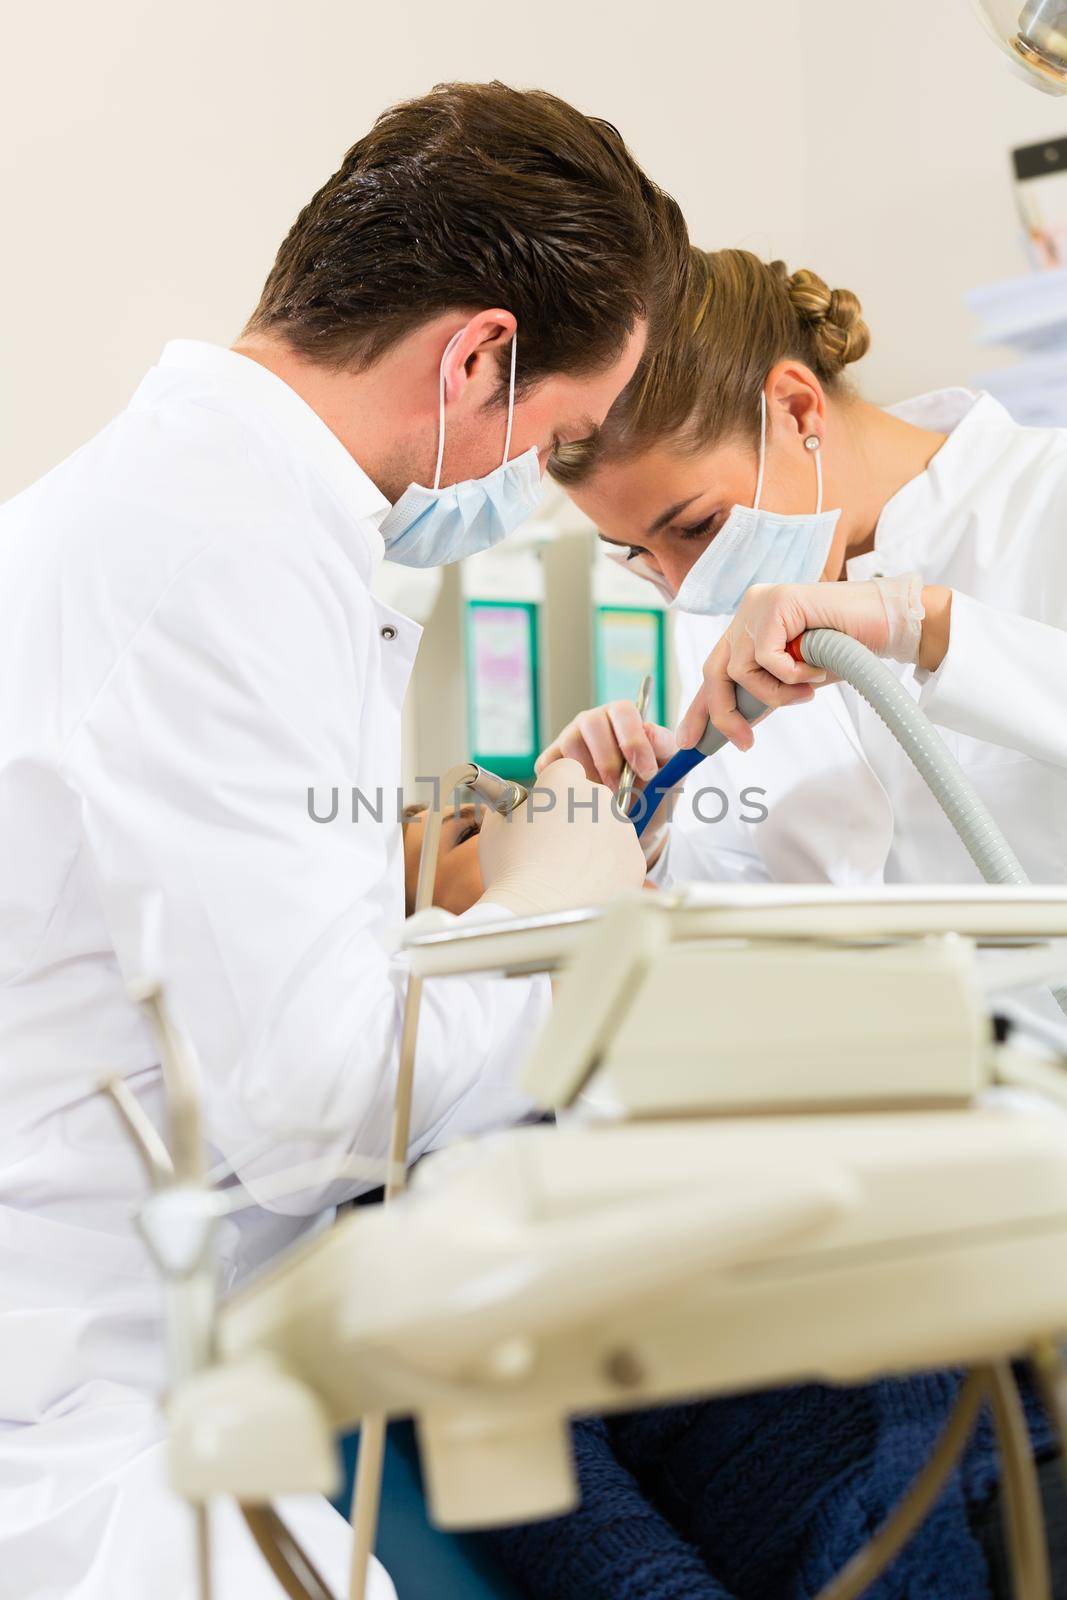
(388,632)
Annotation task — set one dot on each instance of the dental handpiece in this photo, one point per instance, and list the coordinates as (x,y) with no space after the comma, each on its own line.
(647,803)
(500,794)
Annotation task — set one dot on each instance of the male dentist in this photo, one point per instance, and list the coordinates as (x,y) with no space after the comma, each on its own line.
(188,642)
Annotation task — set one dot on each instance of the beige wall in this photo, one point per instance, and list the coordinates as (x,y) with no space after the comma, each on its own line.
(153,156)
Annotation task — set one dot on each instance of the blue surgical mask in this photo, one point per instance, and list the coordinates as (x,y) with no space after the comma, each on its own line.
(756,546)
(431,527)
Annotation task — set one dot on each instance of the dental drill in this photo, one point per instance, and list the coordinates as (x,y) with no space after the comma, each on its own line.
(503,796)
(954,792)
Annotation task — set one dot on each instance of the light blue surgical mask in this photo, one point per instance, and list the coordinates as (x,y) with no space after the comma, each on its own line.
(431,527)
(756,546)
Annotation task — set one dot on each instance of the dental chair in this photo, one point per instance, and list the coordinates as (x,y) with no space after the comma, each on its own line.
(408,1544)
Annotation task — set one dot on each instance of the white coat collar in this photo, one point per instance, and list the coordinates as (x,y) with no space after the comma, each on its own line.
(903,527)
(260,396)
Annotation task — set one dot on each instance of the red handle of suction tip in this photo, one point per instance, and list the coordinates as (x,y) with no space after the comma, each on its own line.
(793,649)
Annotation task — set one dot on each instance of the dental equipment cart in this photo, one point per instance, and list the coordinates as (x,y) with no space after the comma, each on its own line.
(790,1146)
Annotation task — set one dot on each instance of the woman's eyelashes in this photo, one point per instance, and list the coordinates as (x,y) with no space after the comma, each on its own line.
(702,530)
(706,529)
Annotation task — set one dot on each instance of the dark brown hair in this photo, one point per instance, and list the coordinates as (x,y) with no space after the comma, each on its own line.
(737,318)
(479,195)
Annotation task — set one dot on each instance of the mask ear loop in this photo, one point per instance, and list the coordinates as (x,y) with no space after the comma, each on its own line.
(441,406)
(511,398)
(812,443)
(762,448)
(441,410)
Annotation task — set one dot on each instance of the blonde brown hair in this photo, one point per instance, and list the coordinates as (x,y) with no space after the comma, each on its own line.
(738,316)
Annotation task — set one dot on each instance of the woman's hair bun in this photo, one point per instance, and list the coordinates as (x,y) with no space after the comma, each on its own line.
(832,318)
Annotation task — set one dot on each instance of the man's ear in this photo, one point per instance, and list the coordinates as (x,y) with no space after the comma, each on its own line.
(796,399)
(472,363)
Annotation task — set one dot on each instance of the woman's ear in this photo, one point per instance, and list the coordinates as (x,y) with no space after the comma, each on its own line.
(796,400)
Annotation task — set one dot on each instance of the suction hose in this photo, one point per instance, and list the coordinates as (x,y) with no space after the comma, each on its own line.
(954,792)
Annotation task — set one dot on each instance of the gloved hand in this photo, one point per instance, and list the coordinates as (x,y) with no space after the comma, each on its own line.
(564,847)
(884,614)
(904,610)
(602,739)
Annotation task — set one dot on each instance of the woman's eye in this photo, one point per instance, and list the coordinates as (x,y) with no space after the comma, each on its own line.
(469,832)
(700,530)
(633,551)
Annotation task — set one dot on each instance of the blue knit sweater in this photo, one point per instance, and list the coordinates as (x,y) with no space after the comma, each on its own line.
(763,1497)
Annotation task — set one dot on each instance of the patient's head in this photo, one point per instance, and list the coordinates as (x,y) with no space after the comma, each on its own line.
(459,880)
(679,448)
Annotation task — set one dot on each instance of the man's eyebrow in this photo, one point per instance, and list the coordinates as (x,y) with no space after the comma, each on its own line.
(672,512)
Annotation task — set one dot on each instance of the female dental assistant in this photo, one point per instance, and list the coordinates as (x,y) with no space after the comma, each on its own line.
(753,489)
(762,497)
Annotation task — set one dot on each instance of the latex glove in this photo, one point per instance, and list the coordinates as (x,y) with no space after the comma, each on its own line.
(602,740)
(905,610)
(752,652)
(564,847)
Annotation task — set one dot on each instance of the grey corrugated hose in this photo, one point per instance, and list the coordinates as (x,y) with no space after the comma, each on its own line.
(954,792)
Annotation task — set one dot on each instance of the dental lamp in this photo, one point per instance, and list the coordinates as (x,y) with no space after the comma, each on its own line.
(1034,39)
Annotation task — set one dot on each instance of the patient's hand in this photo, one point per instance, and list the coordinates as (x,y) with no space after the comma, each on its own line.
(459,879)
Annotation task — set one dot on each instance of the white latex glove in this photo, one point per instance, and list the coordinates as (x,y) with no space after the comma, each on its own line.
(884,614)
(564,847)
(602,740)
(904,609)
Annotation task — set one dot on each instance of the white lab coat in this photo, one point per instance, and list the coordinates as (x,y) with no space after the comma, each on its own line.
(844,805)
(187,643)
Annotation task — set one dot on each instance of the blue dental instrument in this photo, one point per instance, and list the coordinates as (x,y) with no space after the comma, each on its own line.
(681,765)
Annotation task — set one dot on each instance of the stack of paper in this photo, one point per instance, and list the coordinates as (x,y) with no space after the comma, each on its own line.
(1028,315)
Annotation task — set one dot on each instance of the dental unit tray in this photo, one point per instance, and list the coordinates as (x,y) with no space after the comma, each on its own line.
(763,999)
(816,912)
